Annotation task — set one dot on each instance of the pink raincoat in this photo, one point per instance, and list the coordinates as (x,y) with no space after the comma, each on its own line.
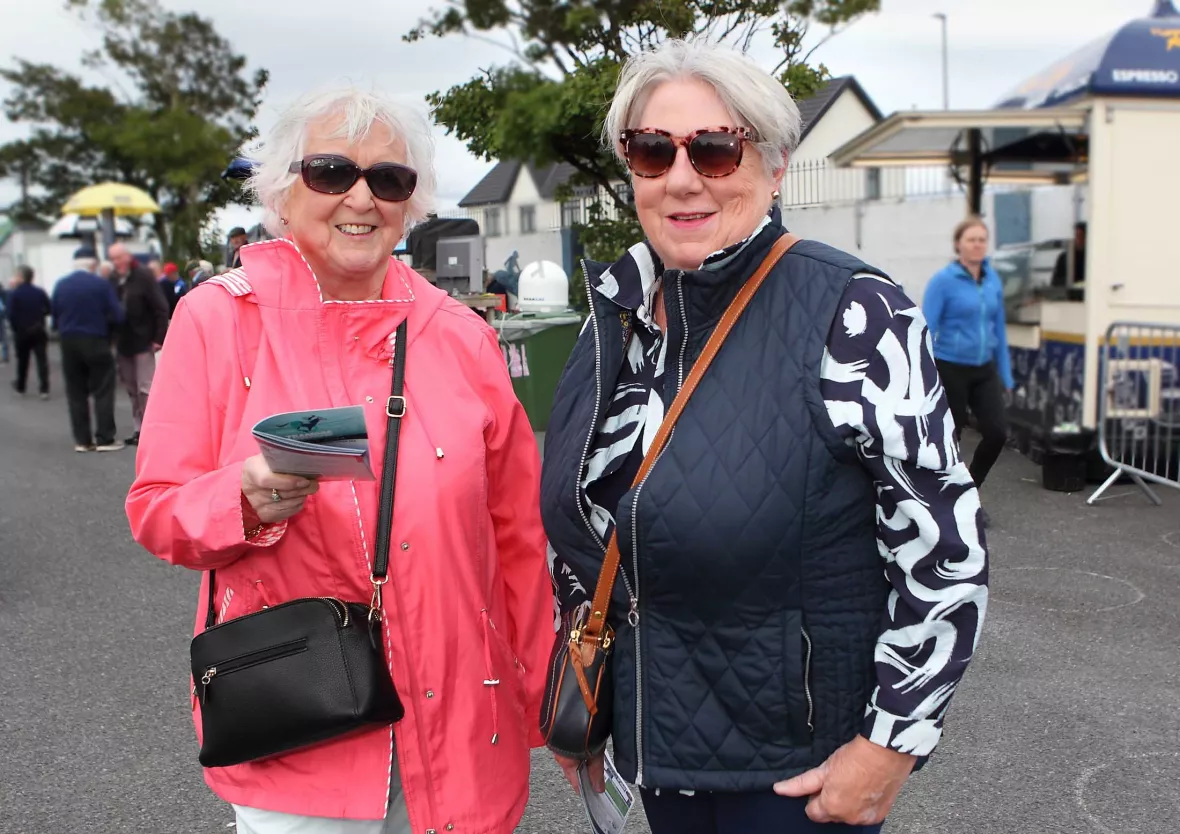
(469,598)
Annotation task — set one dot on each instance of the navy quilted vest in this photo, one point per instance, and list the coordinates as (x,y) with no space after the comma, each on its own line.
(751,547)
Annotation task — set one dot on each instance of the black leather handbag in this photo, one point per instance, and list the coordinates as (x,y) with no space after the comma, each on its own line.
(579,693)
(309,670)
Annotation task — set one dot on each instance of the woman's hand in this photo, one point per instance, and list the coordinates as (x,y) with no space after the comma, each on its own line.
(570,768)
(857,785)
(259,486)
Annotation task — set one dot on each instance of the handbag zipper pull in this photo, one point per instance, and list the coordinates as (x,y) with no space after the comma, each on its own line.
(633,614)
(205,679)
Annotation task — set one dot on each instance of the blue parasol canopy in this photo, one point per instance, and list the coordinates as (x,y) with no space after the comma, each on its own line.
(1141,58)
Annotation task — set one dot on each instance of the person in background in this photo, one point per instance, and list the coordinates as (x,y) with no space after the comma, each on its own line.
(86,313)
(964,308)
(173,286)
(106,269)
(1061,273)
(201,272)
(155,267)
(802,579)
(469,600)
(142,333)
(3,325)
(28,307)
(237,239)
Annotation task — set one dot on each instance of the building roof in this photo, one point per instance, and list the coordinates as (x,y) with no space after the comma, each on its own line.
(813,109)
(496,186)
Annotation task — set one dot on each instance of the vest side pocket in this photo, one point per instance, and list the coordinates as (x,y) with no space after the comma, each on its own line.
(797,679)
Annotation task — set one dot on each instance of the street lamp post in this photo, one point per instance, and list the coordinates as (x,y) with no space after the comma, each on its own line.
(946,101)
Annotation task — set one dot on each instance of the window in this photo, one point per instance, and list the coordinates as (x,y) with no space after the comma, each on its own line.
(491,219)
(873,184)
(571,213)
(528,219)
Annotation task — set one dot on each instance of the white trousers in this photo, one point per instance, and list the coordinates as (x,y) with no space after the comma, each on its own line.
(397,819)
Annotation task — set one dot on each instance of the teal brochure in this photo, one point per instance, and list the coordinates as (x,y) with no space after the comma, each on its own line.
(329,444)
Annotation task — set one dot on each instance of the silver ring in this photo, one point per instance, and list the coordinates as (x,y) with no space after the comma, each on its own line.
(274,495)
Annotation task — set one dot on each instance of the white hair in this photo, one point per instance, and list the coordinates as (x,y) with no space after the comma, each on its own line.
(753,97)
(86,264)
(358,112)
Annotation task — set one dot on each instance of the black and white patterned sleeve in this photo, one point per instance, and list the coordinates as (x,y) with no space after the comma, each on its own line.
(569,592)
(882,391)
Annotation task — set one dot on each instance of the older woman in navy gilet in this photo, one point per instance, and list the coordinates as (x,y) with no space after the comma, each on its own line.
(803,575)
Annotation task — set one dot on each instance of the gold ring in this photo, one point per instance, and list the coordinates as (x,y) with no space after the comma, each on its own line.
(274,495)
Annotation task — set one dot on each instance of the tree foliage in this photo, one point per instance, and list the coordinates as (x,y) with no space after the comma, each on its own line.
(548,101)
(165,105)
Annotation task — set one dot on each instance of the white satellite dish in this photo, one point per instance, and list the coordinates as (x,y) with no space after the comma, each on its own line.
(543,288)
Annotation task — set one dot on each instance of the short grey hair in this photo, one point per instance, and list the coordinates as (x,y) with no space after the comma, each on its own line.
(358,111)
(753,96)
(86,264)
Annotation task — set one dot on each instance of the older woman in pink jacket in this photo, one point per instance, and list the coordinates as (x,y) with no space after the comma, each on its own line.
(308,322)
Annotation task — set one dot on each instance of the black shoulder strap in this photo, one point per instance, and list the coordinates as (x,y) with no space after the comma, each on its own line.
(395,409)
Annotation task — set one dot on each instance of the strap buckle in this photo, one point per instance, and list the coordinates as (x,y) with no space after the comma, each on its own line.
(395,407)
(375,602)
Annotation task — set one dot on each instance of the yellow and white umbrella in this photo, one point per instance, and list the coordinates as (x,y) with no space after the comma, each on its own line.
(116,197)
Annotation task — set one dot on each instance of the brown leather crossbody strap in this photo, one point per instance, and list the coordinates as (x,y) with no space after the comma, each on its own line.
(610,565)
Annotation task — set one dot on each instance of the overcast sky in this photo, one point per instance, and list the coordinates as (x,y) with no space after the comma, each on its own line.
(993,45)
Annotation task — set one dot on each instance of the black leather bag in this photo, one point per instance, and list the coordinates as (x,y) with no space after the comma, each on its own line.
(306,671)
(579,692)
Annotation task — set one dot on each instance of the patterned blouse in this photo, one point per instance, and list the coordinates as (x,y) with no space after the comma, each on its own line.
(883,394)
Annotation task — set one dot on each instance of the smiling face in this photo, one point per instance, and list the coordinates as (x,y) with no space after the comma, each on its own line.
(686,216)
(347,238)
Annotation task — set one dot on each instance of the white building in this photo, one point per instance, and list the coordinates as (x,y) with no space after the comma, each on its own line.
(31,244)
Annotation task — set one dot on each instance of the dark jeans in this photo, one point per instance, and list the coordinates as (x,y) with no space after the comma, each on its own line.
(735,813)
(977,389)
(89,369)
(27,345)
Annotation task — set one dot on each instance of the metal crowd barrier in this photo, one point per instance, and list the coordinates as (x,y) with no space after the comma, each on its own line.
(1139,406)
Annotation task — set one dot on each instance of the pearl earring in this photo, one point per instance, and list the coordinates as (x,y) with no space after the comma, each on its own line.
(285,223)
(774,194)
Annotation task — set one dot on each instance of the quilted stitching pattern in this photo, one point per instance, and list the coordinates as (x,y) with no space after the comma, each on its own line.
(747,518)
(737,497)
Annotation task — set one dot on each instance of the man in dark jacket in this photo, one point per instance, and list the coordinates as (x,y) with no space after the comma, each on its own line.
(28,306)
(143,330)
(3,324)
(86,313)
(237,239)
(173,286)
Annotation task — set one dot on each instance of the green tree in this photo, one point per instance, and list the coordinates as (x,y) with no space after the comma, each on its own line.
(174,104)
(212,244)
(547,103)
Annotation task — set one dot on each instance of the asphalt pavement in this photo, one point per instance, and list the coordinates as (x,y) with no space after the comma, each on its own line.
(1067,722)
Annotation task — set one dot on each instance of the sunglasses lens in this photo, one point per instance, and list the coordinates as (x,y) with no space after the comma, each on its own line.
(716,154)
(330,175)
(392,182)
(650,154)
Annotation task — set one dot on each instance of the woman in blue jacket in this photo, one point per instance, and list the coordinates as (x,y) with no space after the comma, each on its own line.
(964,309)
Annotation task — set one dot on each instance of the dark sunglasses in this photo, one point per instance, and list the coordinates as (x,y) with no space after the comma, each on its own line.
(713,151)
(332,174)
